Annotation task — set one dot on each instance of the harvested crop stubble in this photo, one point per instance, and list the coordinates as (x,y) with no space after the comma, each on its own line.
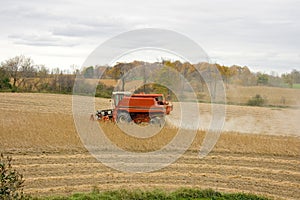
(39,132)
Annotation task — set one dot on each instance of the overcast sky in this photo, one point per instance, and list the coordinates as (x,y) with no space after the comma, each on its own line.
(263,35)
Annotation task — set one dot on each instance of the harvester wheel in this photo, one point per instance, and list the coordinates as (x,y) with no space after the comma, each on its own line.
(157,121)
(124,118)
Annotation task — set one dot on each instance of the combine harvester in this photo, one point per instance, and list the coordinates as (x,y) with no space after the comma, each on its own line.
(137,108)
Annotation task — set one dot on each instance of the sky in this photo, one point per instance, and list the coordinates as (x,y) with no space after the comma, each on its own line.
(261,34)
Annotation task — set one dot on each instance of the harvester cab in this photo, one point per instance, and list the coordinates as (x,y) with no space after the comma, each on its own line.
(106,115)
(118,96)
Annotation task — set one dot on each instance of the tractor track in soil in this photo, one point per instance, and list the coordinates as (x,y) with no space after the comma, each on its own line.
(68,172)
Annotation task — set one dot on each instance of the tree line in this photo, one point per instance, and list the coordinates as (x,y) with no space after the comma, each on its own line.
(20,74)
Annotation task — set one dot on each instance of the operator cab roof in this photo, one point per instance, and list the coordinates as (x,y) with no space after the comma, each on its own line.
(122,93)
(147,95)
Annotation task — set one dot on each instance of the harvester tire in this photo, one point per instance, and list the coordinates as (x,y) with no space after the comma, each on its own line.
(124,117)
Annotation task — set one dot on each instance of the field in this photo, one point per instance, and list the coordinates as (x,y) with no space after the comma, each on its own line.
(296,86)
(235,94)
(257,153)
(273,95)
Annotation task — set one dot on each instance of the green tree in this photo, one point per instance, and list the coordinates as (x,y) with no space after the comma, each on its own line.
(88,72)
(4,80)
(262,79)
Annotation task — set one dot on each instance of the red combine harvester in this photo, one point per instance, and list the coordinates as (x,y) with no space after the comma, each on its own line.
(127,107)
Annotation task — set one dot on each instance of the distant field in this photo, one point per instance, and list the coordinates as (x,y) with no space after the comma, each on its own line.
(296,86)
(109,82)
(273,95)
(39,132)
(235,94)
(240,95)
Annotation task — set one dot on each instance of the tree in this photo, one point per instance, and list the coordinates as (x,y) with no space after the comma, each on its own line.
(88,72)
(291,78)
(296,75)
(274,79)
(4,80)
(288,79)
(65,82)
(226,73)
(167,80)
(18,68)
(120,71)
(262,79)
(53,84)
(145,77)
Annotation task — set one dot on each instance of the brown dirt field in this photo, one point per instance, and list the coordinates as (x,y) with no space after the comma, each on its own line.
(39,132)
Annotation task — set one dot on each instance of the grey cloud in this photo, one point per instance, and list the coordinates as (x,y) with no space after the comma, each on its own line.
(23,12)
(42,27)
(91,27)
(220,26)
(63,24)
(41,40)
